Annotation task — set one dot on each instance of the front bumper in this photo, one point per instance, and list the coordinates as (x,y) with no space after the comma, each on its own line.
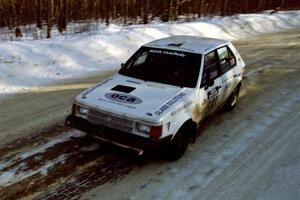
(116,137)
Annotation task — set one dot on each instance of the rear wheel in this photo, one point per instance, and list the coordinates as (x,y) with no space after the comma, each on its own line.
(178,144)
(232,99)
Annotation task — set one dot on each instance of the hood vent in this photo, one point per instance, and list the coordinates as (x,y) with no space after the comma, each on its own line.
(123,88)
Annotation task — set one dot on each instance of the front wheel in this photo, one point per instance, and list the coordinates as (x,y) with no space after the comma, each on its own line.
(178,144)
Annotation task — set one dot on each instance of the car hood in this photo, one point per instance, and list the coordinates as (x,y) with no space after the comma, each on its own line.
(133,98)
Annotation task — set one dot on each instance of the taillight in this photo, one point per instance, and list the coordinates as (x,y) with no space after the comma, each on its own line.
(155,132)
(74,108)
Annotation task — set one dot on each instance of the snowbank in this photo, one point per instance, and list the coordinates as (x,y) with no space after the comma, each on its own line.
(32,63)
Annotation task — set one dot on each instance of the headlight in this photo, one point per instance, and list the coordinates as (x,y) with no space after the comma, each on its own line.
(143,128)
(83,111)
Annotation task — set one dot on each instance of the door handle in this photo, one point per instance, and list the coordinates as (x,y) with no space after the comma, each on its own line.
(218,87)
(236,75)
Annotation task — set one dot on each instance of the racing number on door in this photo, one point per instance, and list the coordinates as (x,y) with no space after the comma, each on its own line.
(212,97)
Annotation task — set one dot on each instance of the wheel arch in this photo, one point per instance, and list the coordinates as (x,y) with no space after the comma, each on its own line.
(191,127)
(239,85)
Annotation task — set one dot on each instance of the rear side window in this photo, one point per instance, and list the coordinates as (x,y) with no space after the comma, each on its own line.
(226,58)
(210,70)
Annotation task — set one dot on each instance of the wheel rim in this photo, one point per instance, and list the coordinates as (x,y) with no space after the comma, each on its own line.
(234,98)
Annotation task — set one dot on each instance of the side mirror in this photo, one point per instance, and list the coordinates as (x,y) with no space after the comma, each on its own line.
(210,83)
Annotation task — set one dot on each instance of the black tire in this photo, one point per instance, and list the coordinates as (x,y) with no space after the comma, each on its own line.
(178,144)
(232,99)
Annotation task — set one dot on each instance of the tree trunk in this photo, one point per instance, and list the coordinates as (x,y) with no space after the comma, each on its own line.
(12,14)
(38,14)
(114,9)
(269,5)
(50,15)
(134,10)
(70,9)
(190,14)
(259,5)
(177,9)
(63,15)
(170,11)
(98,10)
(146,11)
(6,13)
(224,7)
(107,12)
(125,11)
(200,8)
(282,4)
(246,7)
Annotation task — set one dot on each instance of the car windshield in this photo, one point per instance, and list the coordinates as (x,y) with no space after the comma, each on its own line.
(164,66)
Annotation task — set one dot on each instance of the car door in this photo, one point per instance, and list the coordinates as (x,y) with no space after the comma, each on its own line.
(228,65)
(211,84)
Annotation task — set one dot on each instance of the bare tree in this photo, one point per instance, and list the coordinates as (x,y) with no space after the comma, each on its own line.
(14,13)
(125,11)
(269,4)
(170,10)
(38,14)
(11,13)
(114,9)
(199,8)
(224,7)
(259,4)
(6,9)
(50,15)
(189,10)
(146,11)
(282,4)
(107,13)
(133,10)
(178,3)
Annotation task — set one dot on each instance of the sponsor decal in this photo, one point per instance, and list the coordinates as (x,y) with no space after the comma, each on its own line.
(182,108)
(169,103)
(212,98)
(117,103)
(123,98)
(172,53)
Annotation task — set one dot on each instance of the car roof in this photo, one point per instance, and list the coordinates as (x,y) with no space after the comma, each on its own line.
(192,44)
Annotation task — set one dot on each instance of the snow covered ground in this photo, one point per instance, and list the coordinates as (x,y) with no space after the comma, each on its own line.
(13,170)
(26,64)
(251,153)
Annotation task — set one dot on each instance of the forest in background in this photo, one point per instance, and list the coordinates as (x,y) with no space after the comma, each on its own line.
(58,13)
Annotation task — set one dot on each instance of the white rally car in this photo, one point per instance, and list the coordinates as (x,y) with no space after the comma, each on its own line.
(160,94)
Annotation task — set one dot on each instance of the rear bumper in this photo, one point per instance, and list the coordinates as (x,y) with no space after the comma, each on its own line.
(116,137)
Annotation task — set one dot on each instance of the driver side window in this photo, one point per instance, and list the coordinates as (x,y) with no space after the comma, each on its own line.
(210,70)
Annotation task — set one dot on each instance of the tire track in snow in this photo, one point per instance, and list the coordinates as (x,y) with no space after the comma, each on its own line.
(59,167)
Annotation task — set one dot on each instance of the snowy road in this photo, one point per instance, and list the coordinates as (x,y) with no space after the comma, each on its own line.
(250,153)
